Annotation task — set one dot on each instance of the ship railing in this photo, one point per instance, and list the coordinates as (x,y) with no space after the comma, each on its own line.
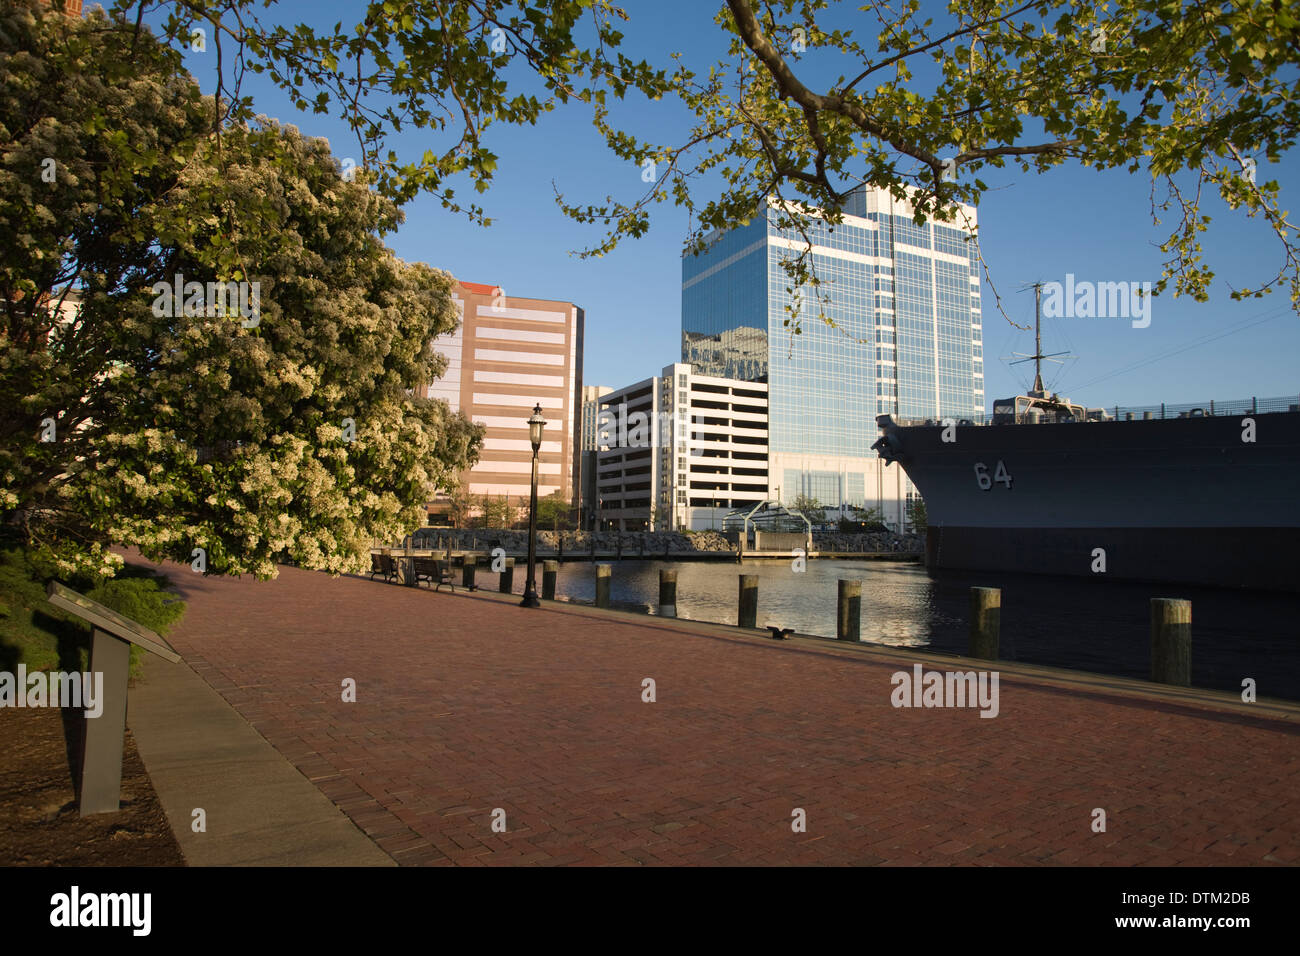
(1121,413)
(1241,406)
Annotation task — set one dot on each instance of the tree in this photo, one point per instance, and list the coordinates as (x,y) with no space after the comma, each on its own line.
(918,106)
(916,519)
(230,438)
(553,510)
(868,515)
(803,110)
(810,508)
(497,512)
(864,519)
(451,67)
(459,504)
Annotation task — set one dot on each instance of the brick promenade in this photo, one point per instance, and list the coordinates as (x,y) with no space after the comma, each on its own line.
(466,704)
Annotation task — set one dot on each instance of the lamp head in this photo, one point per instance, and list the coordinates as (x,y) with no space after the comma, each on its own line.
(535,426)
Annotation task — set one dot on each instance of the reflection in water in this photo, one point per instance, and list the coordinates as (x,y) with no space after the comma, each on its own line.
(1080,623)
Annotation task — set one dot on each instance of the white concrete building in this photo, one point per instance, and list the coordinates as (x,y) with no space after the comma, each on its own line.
(680,450)
(587,497)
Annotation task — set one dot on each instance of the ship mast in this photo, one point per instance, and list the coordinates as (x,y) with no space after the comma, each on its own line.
(1038,339)
(1038,391)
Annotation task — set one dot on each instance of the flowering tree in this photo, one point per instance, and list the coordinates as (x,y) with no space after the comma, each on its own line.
(206,351)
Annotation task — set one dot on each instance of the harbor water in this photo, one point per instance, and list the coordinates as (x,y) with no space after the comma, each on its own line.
(1080,623)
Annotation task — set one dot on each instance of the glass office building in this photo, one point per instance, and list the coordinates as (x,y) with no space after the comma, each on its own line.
(905,302)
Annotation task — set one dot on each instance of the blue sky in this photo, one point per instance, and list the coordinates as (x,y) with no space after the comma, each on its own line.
(1095,225)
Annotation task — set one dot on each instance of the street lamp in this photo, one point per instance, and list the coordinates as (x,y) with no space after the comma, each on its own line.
(535,426)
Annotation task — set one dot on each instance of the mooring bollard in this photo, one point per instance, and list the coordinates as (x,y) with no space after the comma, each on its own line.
(848,622)
(467,573)
(549,569)
(603,572)
(1171,641)
(985,622)
(747,614)
(667,592)
(506,582)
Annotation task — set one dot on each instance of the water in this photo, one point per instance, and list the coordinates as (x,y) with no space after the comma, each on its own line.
(1081,623)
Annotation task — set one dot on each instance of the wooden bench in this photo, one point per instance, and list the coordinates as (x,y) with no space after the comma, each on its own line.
(434,570)
(383,564)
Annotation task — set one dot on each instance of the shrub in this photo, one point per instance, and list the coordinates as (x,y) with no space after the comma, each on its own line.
(43,637)
(142,599)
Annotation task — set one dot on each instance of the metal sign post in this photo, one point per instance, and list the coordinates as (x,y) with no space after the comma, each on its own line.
(110,655)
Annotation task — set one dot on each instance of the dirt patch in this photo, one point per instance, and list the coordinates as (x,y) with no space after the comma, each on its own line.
(39,822)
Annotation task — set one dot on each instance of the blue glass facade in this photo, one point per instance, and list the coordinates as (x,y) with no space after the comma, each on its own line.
(906,339)
(726,292)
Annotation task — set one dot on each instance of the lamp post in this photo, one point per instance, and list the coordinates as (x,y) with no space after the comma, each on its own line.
(535,426)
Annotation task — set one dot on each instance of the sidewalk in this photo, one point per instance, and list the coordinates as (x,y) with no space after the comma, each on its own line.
(259,810)
(467,704)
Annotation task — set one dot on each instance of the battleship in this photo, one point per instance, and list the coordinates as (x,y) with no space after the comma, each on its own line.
(1205,494)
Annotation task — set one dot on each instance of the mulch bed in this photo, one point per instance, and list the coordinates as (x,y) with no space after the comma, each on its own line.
(39,822)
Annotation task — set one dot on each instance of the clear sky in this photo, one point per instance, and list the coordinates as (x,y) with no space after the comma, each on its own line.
(1097,226)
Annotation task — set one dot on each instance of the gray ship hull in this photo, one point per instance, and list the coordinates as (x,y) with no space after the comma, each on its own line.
(1176,500)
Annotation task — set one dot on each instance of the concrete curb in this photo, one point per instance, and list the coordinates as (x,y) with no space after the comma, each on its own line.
(260,810)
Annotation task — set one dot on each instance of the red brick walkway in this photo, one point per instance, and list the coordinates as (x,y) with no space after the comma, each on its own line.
(465,705)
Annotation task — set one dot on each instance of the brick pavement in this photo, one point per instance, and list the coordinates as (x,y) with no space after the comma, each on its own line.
(466,704)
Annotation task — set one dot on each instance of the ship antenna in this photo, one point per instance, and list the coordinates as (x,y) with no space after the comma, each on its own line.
(1038,390)
(1038,338)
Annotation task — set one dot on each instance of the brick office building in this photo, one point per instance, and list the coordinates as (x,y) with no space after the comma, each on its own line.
(509,354)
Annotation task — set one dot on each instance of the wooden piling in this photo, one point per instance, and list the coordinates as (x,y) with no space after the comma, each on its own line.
(549,569)
(603,581)
(506,582)
(667,592)
(985,622)
(1171,641)
(747,612)
(848,619)
(467,573)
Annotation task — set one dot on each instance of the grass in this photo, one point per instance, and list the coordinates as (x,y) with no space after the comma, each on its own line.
(35,633)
